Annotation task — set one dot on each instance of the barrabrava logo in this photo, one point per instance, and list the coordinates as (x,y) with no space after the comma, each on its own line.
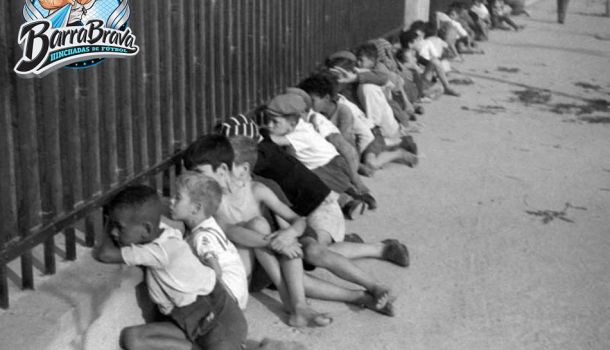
(72,34)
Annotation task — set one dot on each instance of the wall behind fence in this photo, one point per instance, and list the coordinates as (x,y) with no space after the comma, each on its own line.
(70,139)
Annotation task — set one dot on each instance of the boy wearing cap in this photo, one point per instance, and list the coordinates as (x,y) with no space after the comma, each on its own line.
(288,128)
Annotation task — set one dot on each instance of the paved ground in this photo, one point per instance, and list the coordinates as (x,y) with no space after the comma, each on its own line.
(506,217)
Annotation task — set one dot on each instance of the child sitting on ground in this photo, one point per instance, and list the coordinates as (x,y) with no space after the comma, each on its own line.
(310,147)
(335,137)
(430,52)
(322,245)
(500,16)
(239,214)
(481,18)
(339,111)
(200,310)
(196,201)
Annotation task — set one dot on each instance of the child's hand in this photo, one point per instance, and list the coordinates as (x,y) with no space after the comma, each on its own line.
(210,259)
(292,251)
(344,76)
(281,239)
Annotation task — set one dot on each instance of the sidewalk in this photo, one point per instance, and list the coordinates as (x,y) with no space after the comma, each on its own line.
(499,260)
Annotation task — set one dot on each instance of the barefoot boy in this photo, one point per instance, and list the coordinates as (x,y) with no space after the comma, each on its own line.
(240,216)
(200,310)
(196,200)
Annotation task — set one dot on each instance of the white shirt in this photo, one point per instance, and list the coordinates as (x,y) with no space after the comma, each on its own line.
(311,148)
(174,275)
(321,124)
(481,11)
(362,125)
(431,48)
(443,17)
(208,237)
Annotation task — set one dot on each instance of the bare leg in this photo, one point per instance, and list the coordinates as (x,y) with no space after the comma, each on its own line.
(321,289)
(319,255)
(436,66)
(302,315)
(287,276)
(397,155)
(152,336)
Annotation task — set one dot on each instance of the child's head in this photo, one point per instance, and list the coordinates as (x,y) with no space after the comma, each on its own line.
(344,59)
(246,155)
(322,89)
(284,112)
(418,26)
(134,215)
(197,198)
(211,155)
(430,30)
(410,39)
(367,55)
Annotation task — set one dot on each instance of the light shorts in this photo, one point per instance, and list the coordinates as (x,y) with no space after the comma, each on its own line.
(327,217)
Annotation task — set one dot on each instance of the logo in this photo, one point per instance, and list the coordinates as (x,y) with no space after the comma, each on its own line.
(72,34)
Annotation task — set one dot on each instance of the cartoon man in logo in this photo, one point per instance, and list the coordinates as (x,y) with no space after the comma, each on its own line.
(79,9)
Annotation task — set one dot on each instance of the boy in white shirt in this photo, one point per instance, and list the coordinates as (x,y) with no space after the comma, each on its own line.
(196,201)
(200,311)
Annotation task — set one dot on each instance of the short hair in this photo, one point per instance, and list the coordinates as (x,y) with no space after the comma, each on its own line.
(202,189)
(246,150)
(418,25)
(368,50)
(137,197)
(430,29)
(212,149)
(320,85)
(408,37)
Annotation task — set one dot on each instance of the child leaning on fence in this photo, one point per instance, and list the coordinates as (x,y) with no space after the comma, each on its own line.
(240,216)
(200,311)
(323,247)
(196,201)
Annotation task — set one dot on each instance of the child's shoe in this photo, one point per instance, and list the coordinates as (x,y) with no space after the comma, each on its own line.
(395,252)
(350,208)
(353,238)
(407,143)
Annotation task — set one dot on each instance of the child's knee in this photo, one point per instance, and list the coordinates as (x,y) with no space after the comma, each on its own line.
(260,225)
(315,253)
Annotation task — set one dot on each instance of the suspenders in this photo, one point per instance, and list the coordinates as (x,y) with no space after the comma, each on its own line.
(220,238)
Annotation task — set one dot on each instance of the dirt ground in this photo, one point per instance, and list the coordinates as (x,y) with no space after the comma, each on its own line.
(506,216)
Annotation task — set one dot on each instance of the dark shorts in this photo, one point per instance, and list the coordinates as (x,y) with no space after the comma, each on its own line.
(422,61)
(213,321)
(376,146)
(335,174)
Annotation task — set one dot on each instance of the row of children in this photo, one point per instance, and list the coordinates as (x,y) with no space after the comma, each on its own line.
(271,192)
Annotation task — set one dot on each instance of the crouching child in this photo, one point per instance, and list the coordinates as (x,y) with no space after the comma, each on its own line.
(200,311)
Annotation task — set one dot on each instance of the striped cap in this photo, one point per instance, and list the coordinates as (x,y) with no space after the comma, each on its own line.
(240,125)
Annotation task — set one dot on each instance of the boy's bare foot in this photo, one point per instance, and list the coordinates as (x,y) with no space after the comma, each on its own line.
(451,92)
(368,301)
(395,252)
(382,296)
(305,316)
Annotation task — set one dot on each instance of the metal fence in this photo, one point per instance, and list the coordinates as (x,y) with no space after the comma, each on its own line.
(70,140)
